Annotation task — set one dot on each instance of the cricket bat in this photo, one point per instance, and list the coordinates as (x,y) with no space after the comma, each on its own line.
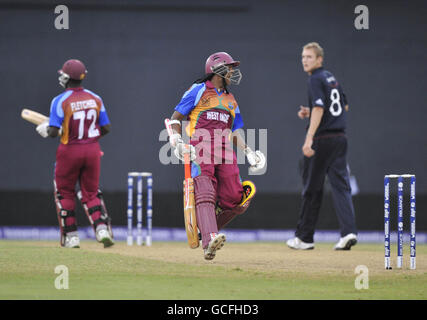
(189,204)
(33,116)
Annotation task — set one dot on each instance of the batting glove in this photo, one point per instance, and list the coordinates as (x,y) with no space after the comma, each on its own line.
(182,149)
(256,160)
(174,139)
(42,129)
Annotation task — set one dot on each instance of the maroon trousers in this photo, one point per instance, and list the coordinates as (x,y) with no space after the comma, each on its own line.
(78,163)
(216,183)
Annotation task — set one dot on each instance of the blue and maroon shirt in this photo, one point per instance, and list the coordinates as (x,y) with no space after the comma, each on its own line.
(81,113)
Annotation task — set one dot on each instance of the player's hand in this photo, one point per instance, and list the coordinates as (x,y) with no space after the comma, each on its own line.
(174,139)
(306,148)
(182,149)
(304,112)
(42,129)
(256,160)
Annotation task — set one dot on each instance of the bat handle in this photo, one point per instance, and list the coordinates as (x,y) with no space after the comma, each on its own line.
(187,166)
(168,127)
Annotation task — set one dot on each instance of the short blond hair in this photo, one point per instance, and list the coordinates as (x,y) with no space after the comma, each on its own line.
(318,50)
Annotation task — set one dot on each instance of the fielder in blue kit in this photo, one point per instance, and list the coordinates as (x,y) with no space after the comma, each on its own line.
(325,153)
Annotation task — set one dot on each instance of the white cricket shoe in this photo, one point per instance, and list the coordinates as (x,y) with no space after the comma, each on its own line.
(345,243)
(298,244)
(216,243)
(102,235)
(72,241)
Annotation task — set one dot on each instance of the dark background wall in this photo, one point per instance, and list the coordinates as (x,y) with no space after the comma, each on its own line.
(142,56)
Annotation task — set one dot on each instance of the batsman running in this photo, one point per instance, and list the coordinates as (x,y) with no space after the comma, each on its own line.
(79,117)
(213,116)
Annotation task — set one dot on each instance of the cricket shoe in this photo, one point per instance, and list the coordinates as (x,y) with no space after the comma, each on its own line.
(298,244)
(216,243)
(102,235)
(249,191)
(345,243)
(72,241)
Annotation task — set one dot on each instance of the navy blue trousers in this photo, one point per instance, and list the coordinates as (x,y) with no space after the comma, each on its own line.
(330,159)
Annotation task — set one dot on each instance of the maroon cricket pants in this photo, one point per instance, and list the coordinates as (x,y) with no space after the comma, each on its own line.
(219,164)
(78,163)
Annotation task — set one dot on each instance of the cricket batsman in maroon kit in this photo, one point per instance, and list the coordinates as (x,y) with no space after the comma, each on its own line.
(79,117)
(213,115)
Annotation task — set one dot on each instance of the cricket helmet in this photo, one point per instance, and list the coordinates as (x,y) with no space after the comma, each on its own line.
(72,69)
(219,64)
(219,59)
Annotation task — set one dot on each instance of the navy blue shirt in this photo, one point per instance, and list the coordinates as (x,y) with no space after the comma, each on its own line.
(324,91)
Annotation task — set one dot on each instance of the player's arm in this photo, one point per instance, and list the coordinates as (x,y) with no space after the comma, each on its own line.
(176,127)
(256,159)
(317,94)
(239,142)
(52,127)
(175,138)
(53,132)
(104,121)
(344,97)
(105,129)
(176,123)
(303,112)
(183,109)
(45,130)
(316,117)
(188,102)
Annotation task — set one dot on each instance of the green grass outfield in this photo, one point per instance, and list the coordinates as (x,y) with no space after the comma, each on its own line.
(172,271)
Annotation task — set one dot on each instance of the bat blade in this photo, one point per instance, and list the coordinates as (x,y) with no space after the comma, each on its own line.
(190,214)
(33,116)
(189,203)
